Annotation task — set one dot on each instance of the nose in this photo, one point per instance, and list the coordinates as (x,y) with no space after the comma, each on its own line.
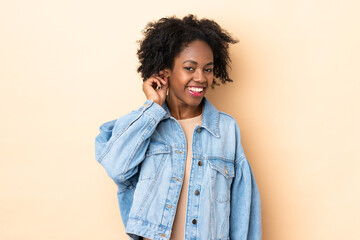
(199,76)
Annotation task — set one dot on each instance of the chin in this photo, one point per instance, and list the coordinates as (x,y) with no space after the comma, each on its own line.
(194,102)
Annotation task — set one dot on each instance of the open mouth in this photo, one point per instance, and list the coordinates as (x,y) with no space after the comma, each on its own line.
(196,91)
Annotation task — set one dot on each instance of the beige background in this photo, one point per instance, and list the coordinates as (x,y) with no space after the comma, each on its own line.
(68,66)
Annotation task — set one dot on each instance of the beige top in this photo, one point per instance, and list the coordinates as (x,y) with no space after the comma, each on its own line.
(178,229)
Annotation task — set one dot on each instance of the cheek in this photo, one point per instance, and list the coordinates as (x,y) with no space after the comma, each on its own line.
(179,80)
(210,78)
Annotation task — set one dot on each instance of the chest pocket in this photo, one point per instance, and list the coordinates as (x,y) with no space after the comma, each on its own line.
(155,157)
(222,174)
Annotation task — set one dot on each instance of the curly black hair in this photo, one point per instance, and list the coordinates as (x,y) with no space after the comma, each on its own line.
(166,38)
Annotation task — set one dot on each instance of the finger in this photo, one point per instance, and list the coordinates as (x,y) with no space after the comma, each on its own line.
(153,81)
(160,80)
(157,83)
(164,88)
(149,86)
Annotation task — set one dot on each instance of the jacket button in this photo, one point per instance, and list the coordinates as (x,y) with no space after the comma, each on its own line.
(194,221)
(197,192)
(198,130)
(200,163)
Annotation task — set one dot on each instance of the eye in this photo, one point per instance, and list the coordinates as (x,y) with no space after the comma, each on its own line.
(208,70)
(189,68)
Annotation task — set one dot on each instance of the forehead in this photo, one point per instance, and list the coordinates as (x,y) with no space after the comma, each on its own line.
(197,50)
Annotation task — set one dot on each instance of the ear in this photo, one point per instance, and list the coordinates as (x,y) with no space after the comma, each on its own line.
(167,72)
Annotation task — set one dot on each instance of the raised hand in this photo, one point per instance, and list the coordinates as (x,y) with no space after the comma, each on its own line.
(155,87)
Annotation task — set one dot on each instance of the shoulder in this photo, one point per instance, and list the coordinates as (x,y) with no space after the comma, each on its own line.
(227,119)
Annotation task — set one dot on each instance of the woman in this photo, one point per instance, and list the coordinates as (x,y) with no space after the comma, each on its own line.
(178,162)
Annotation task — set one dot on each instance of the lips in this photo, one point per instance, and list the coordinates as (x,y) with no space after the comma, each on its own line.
(196,91)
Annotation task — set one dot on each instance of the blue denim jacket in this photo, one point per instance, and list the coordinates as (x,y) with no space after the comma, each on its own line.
(144,153)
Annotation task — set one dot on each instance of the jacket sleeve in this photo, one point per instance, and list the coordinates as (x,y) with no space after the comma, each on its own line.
(121,144)
(245,203)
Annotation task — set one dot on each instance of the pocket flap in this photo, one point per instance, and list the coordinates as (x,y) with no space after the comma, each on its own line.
(225,168)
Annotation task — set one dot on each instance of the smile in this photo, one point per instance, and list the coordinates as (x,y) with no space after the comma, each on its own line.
(196,91)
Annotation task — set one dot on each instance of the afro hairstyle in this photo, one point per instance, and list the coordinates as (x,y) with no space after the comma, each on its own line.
(166,38)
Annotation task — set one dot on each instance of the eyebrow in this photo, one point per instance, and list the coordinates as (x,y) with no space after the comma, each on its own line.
(192,61)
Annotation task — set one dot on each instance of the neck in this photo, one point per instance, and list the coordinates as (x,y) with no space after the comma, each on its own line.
(180,110)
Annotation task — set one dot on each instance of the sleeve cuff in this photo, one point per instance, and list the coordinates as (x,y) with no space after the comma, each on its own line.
(154,110)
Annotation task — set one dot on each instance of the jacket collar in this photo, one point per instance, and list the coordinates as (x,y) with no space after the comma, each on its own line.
(210,117)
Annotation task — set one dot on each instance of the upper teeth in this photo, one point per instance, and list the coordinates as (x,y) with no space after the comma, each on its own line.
(195,89)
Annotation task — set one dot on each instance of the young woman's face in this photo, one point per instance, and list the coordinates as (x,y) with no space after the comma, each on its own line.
(192,74)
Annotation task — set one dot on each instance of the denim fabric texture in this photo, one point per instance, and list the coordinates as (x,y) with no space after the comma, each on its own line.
(144,153)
